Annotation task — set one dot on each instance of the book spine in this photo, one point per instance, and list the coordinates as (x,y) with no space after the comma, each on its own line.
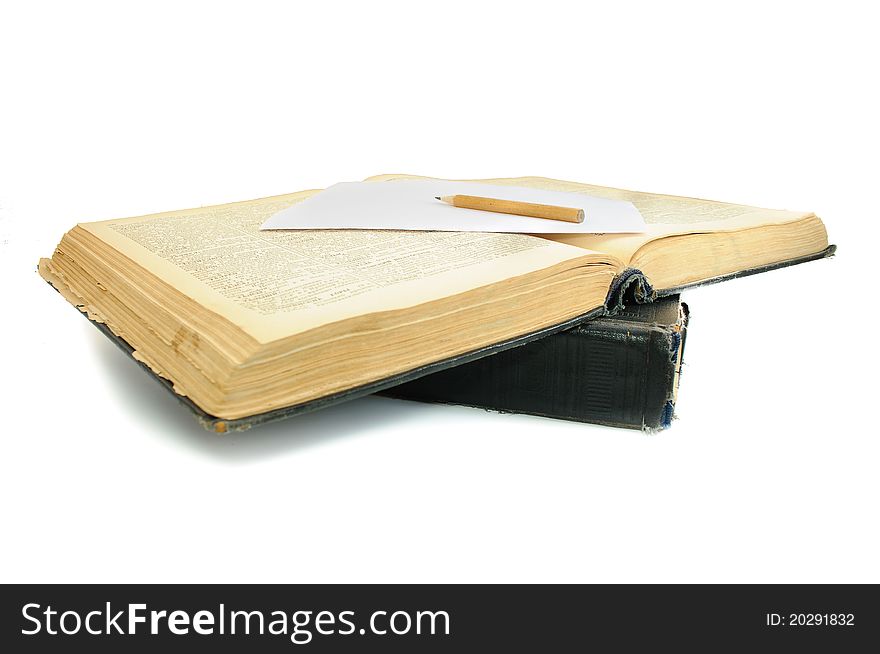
(610,372)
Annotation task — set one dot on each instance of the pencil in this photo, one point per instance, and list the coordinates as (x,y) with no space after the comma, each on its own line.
(546,211)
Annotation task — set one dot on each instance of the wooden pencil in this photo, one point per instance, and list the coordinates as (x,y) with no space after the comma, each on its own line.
(546,211)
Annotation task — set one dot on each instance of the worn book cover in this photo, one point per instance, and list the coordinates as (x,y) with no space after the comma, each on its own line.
(620,370)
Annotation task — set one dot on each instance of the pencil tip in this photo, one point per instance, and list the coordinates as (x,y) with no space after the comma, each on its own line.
(436,197)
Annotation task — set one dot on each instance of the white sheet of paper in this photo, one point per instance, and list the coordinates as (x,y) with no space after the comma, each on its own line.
(410,205)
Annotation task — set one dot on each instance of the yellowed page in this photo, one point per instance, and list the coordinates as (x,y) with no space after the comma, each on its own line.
(274,284)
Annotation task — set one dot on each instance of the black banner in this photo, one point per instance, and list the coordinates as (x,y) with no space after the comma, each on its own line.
(422,618)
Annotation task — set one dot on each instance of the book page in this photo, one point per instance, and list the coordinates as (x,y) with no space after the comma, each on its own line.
(274,284)
(670,215)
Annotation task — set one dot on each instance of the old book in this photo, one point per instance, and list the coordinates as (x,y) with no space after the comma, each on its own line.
(620,370)
(247,326)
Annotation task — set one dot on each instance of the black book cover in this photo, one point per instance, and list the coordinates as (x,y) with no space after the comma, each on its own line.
(619,370)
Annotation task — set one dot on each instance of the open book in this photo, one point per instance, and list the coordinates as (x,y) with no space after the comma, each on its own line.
(249,325)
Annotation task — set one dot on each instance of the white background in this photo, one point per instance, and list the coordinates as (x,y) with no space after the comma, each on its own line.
(770,473)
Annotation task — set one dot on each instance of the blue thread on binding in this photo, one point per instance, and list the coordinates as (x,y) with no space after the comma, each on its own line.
(666,418)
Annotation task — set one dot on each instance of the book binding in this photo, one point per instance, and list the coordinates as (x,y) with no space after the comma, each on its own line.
(620,371)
